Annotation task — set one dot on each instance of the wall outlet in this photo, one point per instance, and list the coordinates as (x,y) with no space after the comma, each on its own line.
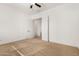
(28,30)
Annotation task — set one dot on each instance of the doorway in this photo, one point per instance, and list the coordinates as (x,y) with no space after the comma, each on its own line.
(38,27)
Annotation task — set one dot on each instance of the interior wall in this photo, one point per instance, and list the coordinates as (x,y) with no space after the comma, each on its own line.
(63,24)
(14,24)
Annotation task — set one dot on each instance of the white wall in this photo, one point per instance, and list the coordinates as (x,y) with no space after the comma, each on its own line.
(64,21)
(14,24)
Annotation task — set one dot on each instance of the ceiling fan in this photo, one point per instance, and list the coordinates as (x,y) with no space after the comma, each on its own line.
(36,4)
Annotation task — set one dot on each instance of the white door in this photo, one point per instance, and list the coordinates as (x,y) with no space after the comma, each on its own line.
(45,28)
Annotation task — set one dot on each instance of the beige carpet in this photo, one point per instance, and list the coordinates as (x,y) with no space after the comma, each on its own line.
(37,47)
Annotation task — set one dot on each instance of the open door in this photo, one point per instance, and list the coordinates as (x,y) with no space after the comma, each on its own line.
(45,28)
(38,27)
(41,28)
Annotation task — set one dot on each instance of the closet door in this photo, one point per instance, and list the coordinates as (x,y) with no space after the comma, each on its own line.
(45,28)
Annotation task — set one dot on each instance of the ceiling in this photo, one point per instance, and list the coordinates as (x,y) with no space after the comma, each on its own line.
(26,7)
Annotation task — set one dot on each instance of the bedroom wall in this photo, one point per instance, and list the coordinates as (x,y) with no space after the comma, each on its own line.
(63,24)
(14,24)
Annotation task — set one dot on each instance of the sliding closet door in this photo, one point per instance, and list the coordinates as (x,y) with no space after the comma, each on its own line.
(45,28)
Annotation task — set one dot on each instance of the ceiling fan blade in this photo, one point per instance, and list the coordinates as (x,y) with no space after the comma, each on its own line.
(31,6)
(37,5)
